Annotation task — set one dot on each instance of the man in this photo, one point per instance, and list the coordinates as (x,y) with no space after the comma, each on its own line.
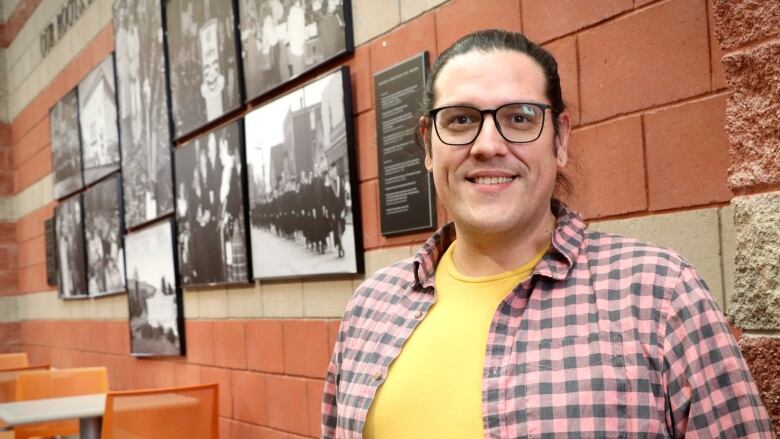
(515,320)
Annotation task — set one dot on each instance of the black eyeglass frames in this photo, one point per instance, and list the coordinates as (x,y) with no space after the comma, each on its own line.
(517,122)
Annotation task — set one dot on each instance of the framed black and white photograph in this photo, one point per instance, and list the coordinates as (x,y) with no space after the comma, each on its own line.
(302,183)
(203,61)
(144,115)
(98,122)
(281,40)
(103,233)
(66,146)
(210,212)
(71,256)
(153,294)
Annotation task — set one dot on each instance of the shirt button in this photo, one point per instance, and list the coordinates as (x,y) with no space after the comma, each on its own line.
(377,376)
(418,314)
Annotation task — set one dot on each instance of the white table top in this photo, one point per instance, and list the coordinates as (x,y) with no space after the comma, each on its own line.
(53,409)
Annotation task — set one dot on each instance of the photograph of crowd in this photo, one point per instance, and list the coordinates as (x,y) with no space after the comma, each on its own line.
(153,294)
(210,209)
(144,117)
(303,218)
(283,39)
(98,122)
(203,62)
(103,232)
(71,257)
(65,145)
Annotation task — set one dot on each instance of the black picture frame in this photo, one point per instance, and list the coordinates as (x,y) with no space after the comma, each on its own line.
(156,316)
(71,252)
(98,122)
(210,209)
(303,188)
(66,145)
(204,64)
(103,232)
(144,111)
(281,41)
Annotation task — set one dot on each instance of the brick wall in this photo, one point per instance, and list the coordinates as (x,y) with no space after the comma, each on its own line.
(645,86)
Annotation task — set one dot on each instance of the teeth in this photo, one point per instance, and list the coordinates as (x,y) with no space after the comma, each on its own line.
(493,180)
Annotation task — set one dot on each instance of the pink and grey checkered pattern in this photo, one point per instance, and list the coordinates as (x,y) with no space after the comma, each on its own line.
(609,338)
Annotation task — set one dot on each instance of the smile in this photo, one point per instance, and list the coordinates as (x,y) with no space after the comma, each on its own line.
(492,180)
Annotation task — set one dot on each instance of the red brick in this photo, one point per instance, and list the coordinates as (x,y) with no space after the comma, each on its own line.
(638,3)
(225,427)
(655,56)
(268,433)
(611,177)
(365,133)
(121,372)
(8,258)
(33,279)
(362,82)
(240,430)
(30,115)
(98,336)
(249,397)
(565,53)
(200,342)
(306,347)
(6,183)
(461,17)
(6,158)
(33,170)
(187,374)
(333,333)
(544,21)
(369,213)
(31,225)
(265,350)
(118,332)
(7,232)
(718,80)
(31,252)
(34,141)
(229,344)
(314,389)
(223,378)
(289,409)
(17,19)
(5,134)
(8,283)
(404,239)
(687,154)
(408,40)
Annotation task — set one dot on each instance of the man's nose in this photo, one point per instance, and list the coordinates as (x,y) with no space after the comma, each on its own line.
(489,141)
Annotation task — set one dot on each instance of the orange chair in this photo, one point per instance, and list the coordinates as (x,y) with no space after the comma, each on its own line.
(58,383)
(13,361)
(176,412)
(8,381)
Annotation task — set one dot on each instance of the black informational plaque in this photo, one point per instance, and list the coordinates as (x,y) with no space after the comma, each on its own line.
(51,252)
(406,197)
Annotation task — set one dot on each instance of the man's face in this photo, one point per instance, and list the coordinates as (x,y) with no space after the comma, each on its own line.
(491,185)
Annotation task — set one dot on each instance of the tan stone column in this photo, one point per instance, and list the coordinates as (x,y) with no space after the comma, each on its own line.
(749,35)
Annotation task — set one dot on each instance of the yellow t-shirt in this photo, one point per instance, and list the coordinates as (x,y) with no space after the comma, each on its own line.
(434,388)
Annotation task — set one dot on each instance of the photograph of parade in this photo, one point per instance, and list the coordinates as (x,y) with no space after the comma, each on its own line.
(143,111)
(65,145)
(153,292)
(103,232)
(282,39)
(71,258)
(302,211)
(97,118)
(203,61)
(210,209)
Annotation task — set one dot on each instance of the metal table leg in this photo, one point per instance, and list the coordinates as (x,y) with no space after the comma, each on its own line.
(89,428)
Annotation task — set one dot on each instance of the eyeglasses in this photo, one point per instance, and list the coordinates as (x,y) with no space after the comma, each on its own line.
(519,122)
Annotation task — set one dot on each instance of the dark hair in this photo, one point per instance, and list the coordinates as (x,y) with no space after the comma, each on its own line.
(492,40)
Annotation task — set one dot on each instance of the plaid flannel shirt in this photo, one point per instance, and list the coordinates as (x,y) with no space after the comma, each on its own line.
(610,337)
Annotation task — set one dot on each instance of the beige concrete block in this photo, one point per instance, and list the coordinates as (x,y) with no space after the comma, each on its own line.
(7,209)
(33,198)
(728,246)
(9,309)
(104,306)
(381,258)
(371,18)
(80,309)
(326,298)
(190,304)
(49,305)
(413,8)
(695,234)
(8,8)
(282,299)
(357,280)
(245,302)
(212,304)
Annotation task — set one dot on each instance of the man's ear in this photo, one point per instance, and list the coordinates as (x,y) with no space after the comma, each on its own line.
(424,130)
(562,139)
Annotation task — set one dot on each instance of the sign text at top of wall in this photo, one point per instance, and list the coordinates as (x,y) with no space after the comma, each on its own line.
(67,16)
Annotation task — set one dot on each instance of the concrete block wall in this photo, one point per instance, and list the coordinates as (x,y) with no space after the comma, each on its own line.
(646,91)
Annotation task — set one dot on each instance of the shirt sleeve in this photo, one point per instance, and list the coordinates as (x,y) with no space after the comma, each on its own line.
(709,389)
(330,394)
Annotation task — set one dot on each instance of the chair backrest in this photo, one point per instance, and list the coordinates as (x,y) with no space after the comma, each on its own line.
(177,412)
(57,383)
(8,381)
(14,361)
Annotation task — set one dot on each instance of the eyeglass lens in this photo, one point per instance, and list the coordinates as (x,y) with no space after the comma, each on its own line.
(461,125)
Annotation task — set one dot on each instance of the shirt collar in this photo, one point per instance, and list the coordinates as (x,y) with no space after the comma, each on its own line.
(556,264)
